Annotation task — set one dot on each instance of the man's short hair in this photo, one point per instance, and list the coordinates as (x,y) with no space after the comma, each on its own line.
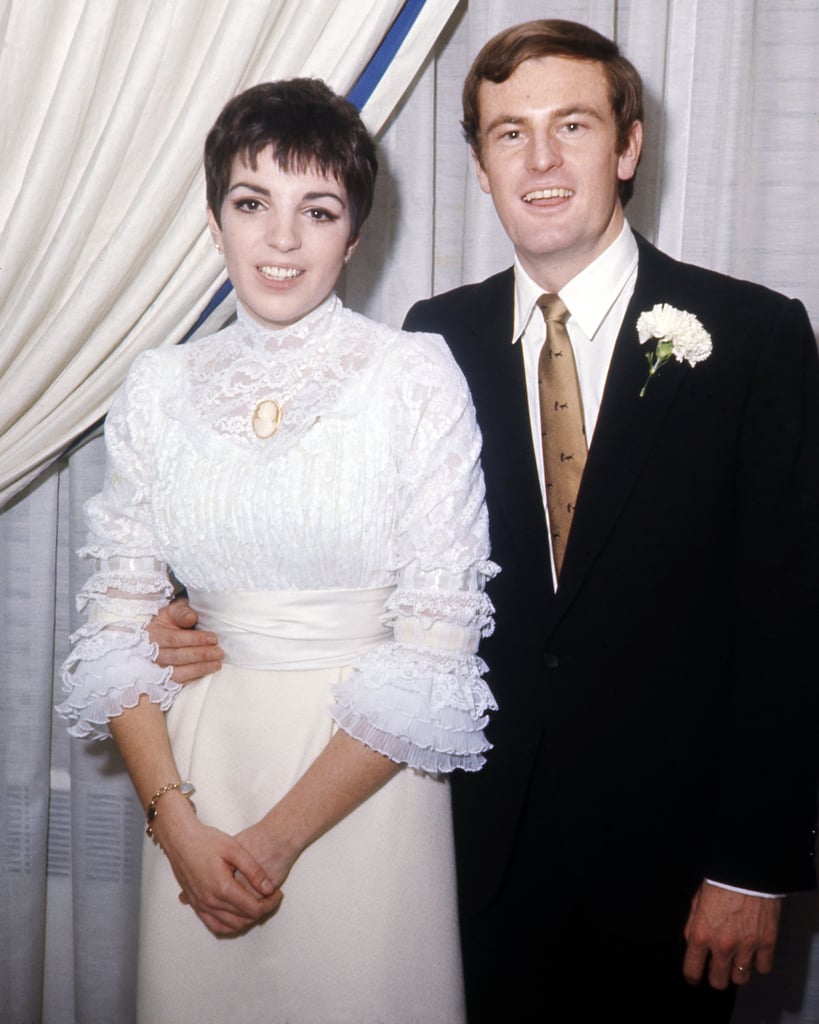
(506,51)
(308,127)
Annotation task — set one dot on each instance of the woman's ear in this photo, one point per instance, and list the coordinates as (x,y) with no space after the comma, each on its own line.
(215,231)
(351,248)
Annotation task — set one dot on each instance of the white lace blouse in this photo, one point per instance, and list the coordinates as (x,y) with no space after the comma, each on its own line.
(372,480)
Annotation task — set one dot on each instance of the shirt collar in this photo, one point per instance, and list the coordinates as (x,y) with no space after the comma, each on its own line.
(590,294)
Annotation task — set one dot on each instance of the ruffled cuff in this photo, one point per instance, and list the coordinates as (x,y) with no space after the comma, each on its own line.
(107,672)
(418,706)
(112,662)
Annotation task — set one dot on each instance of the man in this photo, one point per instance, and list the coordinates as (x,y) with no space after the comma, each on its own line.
(651,793)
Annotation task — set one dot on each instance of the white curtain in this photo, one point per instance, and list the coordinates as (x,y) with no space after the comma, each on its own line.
(729,180)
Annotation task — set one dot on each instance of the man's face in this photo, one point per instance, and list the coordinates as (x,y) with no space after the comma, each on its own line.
(549,161)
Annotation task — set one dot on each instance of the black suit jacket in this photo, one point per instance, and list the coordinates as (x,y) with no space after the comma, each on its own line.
(660,712)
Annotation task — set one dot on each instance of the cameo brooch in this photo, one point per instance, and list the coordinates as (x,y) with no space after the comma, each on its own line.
(266,419)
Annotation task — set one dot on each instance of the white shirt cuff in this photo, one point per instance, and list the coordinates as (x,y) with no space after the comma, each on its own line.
(746,892)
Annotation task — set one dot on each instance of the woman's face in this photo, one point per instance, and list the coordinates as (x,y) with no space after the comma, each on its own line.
(285,238)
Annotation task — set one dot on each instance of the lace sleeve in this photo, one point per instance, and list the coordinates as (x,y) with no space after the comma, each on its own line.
(421,698)
(111,664)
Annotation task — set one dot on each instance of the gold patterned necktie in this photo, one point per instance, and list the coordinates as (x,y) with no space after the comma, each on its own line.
(561,424)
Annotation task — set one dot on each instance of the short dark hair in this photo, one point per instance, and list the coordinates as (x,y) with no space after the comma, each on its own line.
(506,51)
(308,126)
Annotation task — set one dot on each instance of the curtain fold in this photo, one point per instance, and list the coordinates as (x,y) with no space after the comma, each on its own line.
(730,178)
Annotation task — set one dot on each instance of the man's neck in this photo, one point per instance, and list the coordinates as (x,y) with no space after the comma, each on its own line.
(553,271)
(589,293)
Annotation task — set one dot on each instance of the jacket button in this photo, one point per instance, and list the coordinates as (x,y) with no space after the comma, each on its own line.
(550,660)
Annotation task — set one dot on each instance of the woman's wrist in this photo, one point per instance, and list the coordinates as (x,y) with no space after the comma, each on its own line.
(176,813)
(185,789)
(274,841)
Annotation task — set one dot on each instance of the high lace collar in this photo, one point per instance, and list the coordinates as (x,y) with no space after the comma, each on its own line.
(314,324)
(302,371)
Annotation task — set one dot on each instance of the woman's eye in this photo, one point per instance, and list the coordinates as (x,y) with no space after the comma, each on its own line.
(317,213)
(248,205)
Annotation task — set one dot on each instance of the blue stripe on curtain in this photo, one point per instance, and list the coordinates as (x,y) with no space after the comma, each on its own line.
(358,95)
(383,56)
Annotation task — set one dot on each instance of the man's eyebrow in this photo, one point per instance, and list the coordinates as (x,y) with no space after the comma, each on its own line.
(504,119)
(578,110)
(572,110)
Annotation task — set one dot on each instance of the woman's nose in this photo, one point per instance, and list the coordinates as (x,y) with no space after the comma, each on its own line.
(282,234)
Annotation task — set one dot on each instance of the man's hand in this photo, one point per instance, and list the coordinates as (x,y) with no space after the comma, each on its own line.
(191,652)
(737,933)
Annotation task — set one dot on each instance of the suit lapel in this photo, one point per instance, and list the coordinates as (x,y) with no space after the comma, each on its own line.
(626,428)
(494,369)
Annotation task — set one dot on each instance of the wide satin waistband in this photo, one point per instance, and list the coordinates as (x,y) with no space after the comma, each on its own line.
(293,629)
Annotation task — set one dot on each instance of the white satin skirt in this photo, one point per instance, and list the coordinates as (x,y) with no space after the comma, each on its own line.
(367,930)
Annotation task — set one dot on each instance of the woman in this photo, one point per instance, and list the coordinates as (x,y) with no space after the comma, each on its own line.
(313,479)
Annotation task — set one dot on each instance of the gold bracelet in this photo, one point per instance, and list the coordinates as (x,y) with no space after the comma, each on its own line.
(185,788)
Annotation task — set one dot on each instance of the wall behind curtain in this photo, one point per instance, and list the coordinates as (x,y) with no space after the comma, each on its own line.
(728,180)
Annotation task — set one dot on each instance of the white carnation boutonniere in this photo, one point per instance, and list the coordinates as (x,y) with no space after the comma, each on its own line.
(679,334)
